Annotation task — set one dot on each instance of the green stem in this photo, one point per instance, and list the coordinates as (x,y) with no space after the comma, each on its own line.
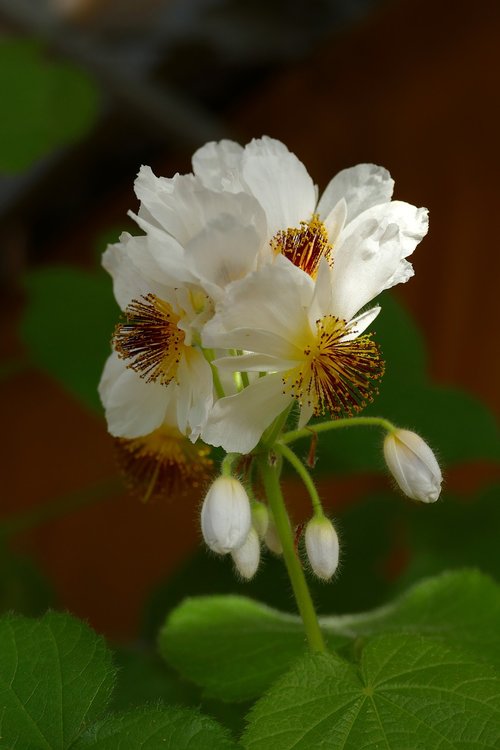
(336,424)
(226,468)
(301,470)
(209,355)
(274,430)
(300,589)
(61,507)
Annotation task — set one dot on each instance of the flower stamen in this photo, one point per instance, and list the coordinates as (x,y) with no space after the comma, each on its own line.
(337,374)
(304,246)
(162,463)
(150,339)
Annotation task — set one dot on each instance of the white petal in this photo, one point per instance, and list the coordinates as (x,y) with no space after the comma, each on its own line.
(369,255)
(237,422)
(223,253)
(254,340)
(133,407)
(272,299)
(321,303)
(360,323)
(128,283)
(254,363)
(194,393)
(218,165)
(306,413)
(362,187)
(280,182)
(335,220)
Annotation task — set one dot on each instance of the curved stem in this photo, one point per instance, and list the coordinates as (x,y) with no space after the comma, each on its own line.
(210,356)
(301,470)
(336,424)
(300,589)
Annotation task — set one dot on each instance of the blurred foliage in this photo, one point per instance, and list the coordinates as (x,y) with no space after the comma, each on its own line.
(67,327)
(23,588)
(46,104)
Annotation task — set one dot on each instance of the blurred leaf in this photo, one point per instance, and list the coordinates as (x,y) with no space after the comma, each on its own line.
(23,588)
(143,677)
(407,691)
(153,728)
(46,104)
(456,425)
(235,648)
(56,676)
(67,326)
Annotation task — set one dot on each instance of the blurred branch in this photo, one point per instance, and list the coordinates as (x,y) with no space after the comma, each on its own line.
(177,116)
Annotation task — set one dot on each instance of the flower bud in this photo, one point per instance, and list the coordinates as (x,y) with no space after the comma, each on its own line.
(225,515)
(271,538)
(413,465)
(246,558)
(260,518)
(322,546)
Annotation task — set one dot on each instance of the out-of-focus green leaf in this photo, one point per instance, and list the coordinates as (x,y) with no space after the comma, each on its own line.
(406,692)
(234,648)
(67,326)
(56,677)
(23,588)
(143,677)
(153,728)
(45,104)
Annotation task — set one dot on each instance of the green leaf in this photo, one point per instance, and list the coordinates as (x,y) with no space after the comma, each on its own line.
(56,677)
(45,104)
(406,692)
(153,728)
(67,326)
(235,648)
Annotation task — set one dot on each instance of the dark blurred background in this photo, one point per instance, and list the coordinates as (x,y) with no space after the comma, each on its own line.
(92,89)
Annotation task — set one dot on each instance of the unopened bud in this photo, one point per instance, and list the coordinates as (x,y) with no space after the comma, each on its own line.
(271,538)
(322,546)
(246,558)
(225,515)
(413,465)
(260,518)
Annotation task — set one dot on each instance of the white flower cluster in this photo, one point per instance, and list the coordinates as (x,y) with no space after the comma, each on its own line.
(244,292)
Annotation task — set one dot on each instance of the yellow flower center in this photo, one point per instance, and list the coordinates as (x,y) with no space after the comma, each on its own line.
(336,376)
(304,246)
(150,338)
(162,463)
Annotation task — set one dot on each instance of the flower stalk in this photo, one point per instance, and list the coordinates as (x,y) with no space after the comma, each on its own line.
(336,424)
(301,591)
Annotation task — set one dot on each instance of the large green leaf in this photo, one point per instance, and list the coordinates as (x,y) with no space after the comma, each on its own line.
(407,693)
(235,647)
(45,104)
(67,327)
(155,727)
(56,678)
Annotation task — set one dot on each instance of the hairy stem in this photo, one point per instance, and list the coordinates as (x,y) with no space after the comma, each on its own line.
(336,424)
(272,487)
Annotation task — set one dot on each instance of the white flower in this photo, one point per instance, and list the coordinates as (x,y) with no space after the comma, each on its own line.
(295,315)
(155,367)
(413,465)
(322,546)
(246,557)
(225,515)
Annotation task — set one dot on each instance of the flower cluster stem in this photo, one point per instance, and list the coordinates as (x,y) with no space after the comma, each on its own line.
(301,470)
(336,424)
(272,487)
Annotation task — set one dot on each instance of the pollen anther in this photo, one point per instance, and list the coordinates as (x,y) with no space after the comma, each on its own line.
(304,246)
(150,339)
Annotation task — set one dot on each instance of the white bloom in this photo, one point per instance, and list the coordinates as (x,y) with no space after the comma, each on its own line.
(322,546)
(290,328)
(225,515)
(413,465)
(154,366)
(295,316)
(246,557)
